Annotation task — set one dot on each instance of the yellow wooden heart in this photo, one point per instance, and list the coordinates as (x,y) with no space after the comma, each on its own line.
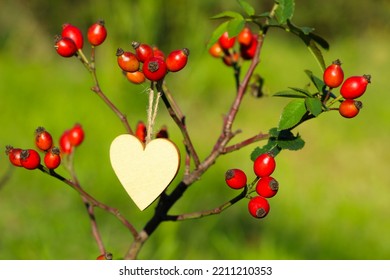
(144,171)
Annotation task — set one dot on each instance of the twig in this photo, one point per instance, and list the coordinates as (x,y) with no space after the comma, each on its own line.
(200,214)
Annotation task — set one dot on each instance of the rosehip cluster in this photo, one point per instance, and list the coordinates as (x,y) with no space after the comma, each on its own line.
(266,186)
(147,62)
(71,39)
(31,159)
(352,88)
(71,138)
(141,130)
(224,47)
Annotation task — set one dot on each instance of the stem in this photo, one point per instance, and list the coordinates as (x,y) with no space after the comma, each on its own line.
(96,88)
(217,210)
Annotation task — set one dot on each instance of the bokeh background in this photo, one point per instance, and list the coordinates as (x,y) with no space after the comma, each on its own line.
(334,199)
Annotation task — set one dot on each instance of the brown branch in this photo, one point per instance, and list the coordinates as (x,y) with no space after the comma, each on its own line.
(245,143)
(204,213)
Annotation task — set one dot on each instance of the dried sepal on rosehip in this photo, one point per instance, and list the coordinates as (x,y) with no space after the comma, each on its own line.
(154,69)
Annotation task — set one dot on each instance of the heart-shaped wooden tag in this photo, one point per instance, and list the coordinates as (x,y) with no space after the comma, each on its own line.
(144,171)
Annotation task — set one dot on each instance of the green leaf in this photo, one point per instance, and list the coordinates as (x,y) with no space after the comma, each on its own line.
(235,26)
(271,146)
(292,114)
(284,11)
(301,90)
(289,93)
(228,15)
(311,40)
(248,8)
(313,105)
(217,33)
(278,141)
(318,83)
(317,54)
(292,143)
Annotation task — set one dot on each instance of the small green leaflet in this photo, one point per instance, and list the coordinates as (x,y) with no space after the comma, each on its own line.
(318,83)
(311,40)
(278,141)
(292,114)
(233,25)
(217,33)
(249,10)
(313,105)
(228,15)
(284,11)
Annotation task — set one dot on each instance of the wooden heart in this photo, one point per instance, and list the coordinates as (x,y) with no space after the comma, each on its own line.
(144,171)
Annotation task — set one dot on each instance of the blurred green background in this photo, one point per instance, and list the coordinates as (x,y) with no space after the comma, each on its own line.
(334,194)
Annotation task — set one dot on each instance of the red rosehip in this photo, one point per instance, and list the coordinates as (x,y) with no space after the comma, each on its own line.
(30,159)
(354,87)
(73,33)
(52,158)
(76,135)
(235,178)
(154,69)
(158,53)
(142,51)
(13,155)
(230,59)
(65,46)
(245,37)
(333,75)
(226,42)
(97,33)
(216,50)
(65,146)
(248,51)
(136,77)
(104,257)
(127,61)
(176,60)
(140,131)
(264,165)
(267,187)
(162,133)
(43,139)
(349,108)
(258,207)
